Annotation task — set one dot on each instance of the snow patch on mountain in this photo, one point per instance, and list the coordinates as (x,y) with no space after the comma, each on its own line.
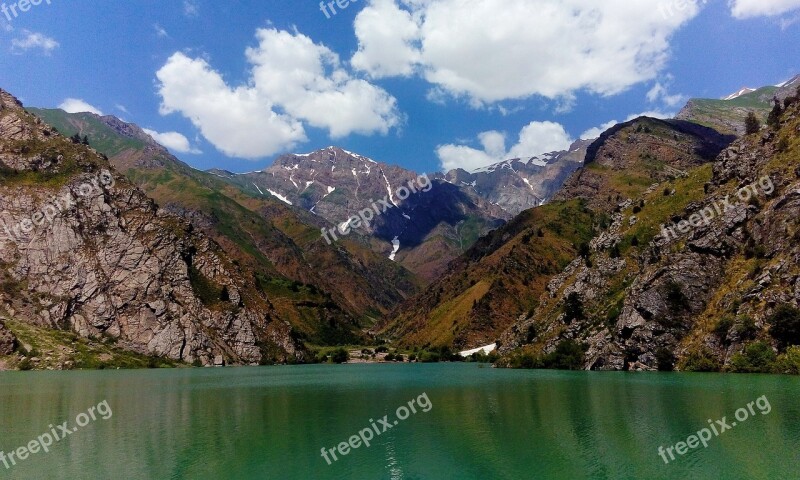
(738,94)
(279,197)
(395,249)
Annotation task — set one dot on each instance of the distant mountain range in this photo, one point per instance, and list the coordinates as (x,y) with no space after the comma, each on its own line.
(557,255)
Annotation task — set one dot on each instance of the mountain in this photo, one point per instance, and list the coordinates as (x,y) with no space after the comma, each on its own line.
(422,223)
(85,251)
(728,115)
(699,272)
(743,91)
(500,280)
(329,293)
(517,185)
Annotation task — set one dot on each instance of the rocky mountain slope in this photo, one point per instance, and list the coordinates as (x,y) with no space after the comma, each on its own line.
(328,293)
(728,115)
(501,279)
(517,185)
(699,272)
(84,250)
(336,185)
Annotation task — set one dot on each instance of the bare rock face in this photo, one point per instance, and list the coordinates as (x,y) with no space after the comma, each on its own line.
(8,342)
(83,249)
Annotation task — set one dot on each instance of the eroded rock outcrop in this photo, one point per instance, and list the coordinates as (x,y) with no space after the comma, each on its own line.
(83,249)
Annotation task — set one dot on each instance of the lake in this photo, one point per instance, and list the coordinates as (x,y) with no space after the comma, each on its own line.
(458,421)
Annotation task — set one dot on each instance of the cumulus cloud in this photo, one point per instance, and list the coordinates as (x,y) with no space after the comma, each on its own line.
(759,8)
(77,105)
(493,50)
(595,132)
(32,41)
(534,139)
(660,93)
(174,141)
(293,82)
(387,37)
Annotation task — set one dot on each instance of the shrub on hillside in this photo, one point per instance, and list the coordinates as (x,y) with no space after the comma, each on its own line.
(785,326)
(573,307)
(757,357)
(701,361)
(340,355)
(789,362)
(752,124)
(568,355)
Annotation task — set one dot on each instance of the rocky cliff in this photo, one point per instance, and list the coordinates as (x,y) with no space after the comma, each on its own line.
(699,272)
(84,250)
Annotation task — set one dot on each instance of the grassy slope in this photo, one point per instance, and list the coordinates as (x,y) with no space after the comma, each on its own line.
(47,349)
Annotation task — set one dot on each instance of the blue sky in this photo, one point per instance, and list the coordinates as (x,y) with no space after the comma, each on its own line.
(425,84)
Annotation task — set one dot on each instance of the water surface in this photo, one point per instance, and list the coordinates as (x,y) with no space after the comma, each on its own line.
(484,423)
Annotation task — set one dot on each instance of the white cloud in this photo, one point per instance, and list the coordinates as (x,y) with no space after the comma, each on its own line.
(238,121)
(388,34)
(290,74)
(33,40)
(160,31)
(757,8)
(122,108)
(174,141)
(595,132)
(534,139)
(190,8)
(76,105)
(660,92)
(493,50)
(308,82)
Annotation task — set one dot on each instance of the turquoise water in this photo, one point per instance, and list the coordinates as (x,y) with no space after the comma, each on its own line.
(481,423)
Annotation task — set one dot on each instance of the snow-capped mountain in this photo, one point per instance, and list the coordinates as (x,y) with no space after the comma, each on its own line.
(423,223)
(425,227)
(738,94)
(517,185)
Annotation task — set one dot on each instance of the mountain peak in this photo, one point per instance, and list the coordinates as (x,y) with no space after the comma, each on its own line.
(743,91)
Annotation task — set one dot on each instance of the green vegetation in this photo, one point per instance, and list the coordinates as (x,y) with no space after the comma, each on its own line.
(573,308)
(757,357)
(209,292)
(752,124)
(785,326)
(788,362)
(568,355)
(103,138)
(701,361)
(42,348)
(774,118)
